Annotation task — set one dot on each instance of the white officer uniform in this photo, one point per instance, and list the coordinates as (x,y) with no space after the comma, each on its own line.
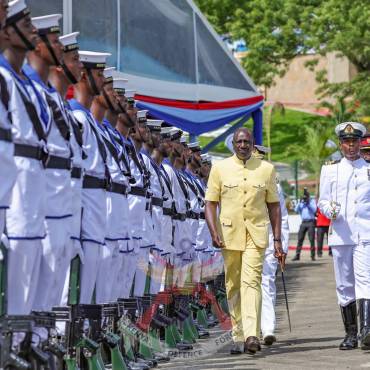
(270,265)
(26,213)
(347,184)
(94,200)
(58,182)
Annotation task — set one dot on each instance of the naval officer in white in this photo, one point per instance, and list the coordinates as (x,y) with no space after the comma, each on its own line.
(345,199)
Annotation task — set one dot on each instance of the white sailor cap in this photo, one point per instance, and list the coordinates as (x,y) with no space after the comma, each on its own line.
(154,124)
(263,149)
(194,146)
(94,60)
(120,85)
(183,140)
(350,130)
(130,94)
(108,74)
(175,133)
(166,132)
(69,41)
(47,23)
(141,116)
(17,9)
(206,158)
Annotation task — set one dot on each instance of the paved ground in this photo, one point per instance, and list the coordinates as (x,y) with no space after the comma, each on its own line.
(317,328)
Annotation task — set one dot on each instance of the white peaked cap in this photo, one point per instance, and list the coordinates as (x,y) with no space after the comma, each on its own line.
(93,57)
(69,39)
(46,21)
(15,7)
(142,113)
(108,72)
(120,83)
(354,128)
(183,140)
(154,124)
(194,144)
(130,94)
(166,130)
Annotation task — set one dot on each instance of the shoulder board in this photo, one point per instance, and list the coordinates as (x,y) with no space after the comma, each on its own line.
(328,163)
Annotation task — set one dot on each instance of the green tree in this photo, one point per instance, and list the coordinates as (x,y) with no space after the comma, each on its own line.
(276,31)
(316,149)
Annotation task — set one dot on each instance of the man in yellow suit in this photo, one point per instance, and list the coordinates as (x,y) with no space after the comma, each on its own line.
(241,201)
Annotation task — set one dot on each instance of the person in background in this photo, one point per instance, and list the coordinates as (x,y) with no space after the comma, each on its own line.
(365,147)
(322,225)
(306,208)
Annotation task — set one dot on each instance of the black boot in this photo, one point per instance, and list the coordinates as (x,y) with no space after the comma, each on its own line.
(349,316)
(296,257)
(364,310)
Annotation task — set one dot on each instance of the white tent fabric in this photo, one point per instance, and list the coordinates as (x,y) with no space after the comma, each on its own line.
(166,48)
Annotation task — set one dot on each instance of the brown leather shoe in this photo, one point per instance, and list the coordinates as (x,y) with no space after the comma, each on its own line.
(252,345)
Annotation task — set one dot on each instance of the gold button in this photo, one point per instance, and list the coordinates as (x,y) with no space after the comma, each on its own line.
(245,192)
(245,179)
(245,205)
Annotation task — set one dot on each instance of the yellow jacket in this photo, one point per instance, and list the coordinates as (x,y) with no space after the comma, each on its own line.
(242,191)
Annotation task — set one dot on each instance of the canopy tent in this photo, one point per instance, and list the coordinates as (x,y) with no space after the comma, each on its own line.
(181,70)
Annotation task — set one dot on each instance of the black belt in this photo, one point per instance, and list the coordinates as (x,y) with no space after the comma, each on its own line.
(35,152)
(313,220)
(157,202)
(168,212)
(179,216)
(140,192)
(5,134)
(192,215)
(59,163)
(76,173)
(92,182)
(29,151)
(202,215)
(117,188)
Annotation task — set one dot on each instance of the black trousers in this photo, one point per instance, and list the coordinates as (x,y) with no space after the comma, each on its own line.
(321,231)
(309,228)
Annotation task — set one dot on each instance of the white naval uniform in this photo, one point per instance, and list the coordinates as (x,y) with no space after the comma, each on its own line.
(26,213)
(117,225)
(191,259)
(8,173)
(182,230)
(348,183)
(131,253)
(94,205)
(149,238)
(74,246)
(58,212)
(270,265)
(157,262)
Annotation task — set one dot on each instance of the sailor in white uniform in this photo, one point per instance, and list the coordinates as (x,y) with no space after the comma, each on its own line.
(117,211)
(139,136)
(270,265)
(97,177)
(47,54)
(345,199)
(153,159)
(61,77)
(26,214)
(182,230)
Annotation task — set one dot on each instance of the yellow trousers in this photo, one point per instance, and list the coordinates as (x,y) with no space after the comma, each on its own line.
(243,274)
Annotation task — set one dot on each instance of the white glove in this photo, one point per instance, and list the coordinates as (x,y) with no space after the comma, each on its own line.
(334,210)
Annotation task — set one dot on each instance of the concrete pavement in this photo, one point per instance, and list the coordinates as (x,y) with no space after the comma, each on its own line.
(317,328)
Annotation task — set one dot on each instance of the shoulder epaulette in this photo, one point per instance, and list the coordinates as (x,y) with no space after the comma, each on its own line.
(327,163)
